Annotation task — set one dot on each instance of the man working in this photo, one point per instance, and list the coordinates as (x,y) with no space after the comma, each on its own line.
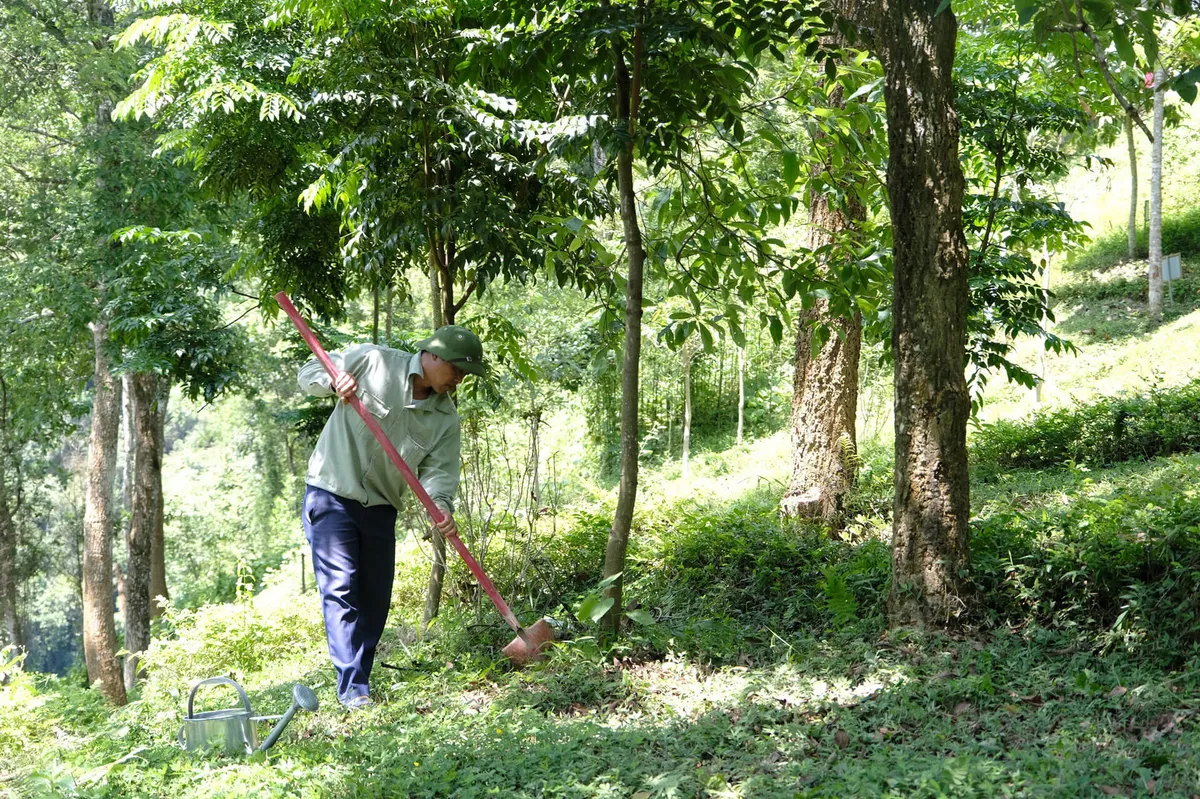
(354,490)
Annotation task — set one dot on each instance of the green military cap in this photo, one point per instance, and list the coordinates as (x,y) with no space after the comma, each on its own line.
(457,345)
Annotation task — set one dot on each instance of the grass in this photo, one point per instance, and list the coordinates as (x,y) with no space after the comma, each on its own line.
(735,691)
(1103,312)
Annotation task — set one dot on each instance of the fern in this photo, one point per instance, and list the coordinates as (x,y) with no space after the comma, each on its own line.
(851,460)
(840,602)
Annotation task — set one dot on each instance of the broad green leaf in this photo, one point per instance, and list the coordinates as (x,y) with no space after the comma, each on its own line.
(791,167)
(594,607)
(641,616)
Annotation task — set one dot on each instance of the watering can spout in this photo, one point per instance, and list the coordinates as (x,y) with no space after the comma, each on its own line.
(302,697)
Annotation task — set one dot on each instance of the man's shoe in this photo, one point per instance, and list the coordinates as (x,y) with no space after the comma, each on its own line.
(358,703)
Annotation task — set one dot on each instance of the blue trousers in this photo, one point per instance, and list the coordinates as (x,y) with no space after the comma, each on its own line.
(354,559)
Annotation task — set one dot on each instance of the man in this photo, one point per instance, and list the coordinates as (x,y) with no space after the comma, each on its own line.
(354,490)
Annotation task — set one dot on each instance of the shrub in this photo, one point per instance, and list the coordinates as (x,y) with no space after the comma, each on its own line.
(736,566)
(1122,568)
(1110,430)
(1180,233)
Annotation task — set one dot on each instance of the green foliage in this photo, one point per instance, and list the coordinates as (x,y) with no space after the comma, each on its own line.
(237,640)
(1112,429)
(1119,564)
(1180,233)
(736,565)
(1015,129)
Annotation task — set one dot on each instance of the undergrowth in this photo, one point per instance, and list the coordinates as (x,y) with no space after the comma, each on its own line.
(1106,431)
(1180,233)
(759,665)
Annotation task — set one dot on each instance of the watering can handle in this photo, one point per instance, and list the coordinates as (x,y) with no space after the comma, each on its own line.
(215,681)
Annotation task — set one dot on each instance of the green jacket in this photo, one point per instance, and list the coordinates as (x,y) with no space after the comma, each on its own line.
(349,462)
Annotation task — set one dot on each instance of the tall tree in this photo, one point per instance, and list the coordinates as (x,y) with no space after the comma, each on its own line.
(843,159)
(653,85)
(915,40)
(99,631)
(147,488)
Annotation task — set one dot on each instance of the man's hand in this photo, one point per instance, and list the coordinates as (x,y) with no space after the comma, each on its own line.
(448,527)
(345,386)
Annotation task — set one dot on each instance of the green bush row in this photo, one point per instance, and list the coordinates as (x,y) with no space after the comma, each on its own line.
(1112,429)
(1180,233)
(1122,569)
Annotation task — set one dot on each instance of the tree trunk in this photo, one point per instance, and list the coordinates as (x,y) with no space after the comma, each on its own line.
(437,577)
(435,288)
(1133,188)
(1156,253)
(375,313)
(128,445)
(387,324)
(10,619)
(824,410)
(147,475)
(119,583)
(158,555)
(741,393)
(99,631)
(687,410)
(1043,370)
(628,97)
(825,385)
(930,538)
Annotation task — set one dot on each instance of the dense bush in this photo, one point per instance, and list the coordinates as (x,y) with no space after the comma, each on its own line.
(1121,567)
(1110,430)
(736,565)
(1180,233)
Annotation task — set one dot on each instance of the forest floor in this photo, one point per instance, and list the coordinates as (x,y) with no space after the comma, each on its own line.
(749,706)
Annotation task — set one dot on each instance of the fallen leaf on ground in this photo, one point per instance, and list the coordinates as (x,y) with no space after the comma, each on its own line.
(841,738)
(1120,690)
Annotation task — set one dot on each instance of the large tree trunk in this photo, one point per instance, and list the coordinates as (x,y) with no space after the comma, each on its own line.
(824,409)
(99,631)
(1133,188)
(158,555)
(628,98)
(825,385)
(1156,253)
(146,487)
(930,538)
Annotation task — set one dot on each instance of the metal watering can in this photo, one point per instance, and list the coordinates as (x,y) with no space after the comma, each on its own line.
(233,729)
